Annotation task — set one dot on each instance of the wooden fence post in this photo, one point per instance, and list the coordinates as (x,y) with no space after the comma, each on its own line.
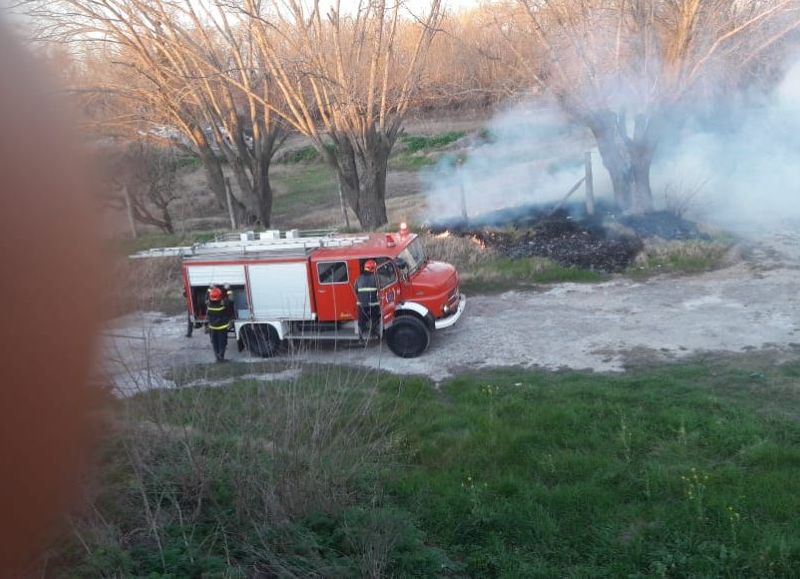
(464,213)
(589,185)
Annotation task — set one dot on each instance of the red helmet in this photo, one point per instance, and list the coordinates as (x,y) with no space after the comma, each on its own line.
(370,265)
(215,294)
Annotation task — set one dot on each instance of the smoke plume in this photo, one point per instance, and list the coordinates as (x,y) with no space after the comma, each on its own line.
(737,167)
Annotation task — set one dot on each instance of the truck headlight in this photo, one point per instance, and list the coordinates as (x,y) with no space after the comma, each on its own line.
(446,309)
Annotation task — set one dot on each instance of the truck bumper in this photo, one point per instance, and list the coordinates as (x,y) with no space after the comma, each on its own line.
(443,323)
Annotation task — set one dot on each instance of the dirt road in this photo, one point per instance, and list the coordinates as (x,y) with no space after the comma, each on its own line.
(751,305)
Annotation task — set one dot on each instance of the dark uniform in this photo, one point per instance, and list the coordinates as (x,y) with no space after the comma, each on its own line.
(369,306)
(219,320)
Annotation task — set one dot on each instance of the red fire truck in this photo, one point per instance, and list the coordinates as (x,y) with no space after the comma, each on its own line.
(287,286)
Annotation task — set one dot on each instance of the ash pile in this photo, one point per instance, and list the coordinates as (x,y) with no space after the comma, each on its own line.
(603,242)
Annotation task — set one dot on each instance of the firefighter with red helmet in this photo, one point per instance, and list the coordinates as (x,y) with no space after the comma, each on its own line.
(369,306)
(218,307)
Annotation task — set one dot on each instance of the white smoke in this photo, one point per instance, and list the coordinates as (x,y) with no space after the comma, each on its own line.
(533,155)
(749,165)
(743,168)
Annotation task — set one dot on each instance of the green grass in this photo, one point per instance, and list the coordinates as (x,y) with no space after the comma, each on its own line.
(307,154)
(413,154)
(424,143)
(680,257)
(686,470)
(313,186)
(536,270)
(521,474)
(405,161)
(499,274)
(189,162)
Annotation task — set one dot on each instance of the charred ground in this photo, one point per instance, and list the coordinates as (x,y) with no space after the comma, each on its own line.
(605,242)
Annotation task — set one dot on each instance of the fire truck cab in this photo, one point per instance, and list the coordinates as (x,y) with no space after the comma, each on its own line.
(294,287)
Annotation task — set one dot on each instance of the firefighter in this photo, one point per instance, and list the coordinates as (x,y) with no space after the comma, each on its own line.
(219,319)
(369,307)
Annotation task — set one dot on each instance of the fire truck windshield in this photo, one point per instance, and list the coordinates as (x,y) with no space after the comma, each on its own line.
(414,256)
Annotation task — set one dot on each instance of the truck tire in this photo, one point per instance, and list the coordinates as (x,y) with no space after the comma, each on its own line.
(261,340)
(408,337)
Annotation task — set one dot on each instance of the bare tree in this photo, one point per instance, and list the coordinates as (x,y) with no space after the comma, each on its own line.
(347,82)
(629,69)
(183,77)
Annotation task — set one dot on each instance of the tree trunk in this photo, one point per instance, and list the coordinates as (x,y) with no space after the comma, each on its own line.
(372,190)
(166,221)
(642,149)
(263,191)
(627,159)
(215,175)
(361,172)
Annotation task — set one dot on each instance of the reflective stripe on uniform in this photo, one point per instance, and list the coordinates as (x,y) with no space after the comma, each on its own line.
(219,309)
(367,289)
(225,327)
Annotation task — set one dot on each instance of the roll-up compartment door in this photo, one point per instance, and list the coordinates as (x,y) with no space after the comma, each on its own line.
(204,275)
(279,291)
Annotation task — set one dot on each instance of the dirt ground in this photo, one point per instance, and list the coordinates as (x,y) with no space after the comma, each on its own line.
(752,305)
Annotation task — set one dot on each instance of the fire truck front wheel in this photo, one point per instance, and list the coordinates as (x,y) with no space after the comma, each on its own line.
(408,337)
(261,340)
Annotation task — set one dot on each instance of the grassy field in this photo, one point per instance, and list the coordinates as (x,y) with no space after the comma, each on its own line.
(305,186)
(685,470)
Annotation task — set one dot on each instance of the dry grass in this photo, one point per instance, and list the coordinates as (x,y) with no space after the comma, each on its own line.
(680,257)
(464,253)
(193,481)
(146,285)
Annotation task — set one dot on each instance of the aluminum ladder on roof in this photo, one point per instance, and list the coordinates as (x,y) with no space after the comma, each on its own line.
(250,242)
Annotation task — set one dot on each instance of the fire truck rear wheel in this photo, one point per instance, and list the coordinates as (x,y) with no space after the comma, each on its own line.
(408,337)
(261,340)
